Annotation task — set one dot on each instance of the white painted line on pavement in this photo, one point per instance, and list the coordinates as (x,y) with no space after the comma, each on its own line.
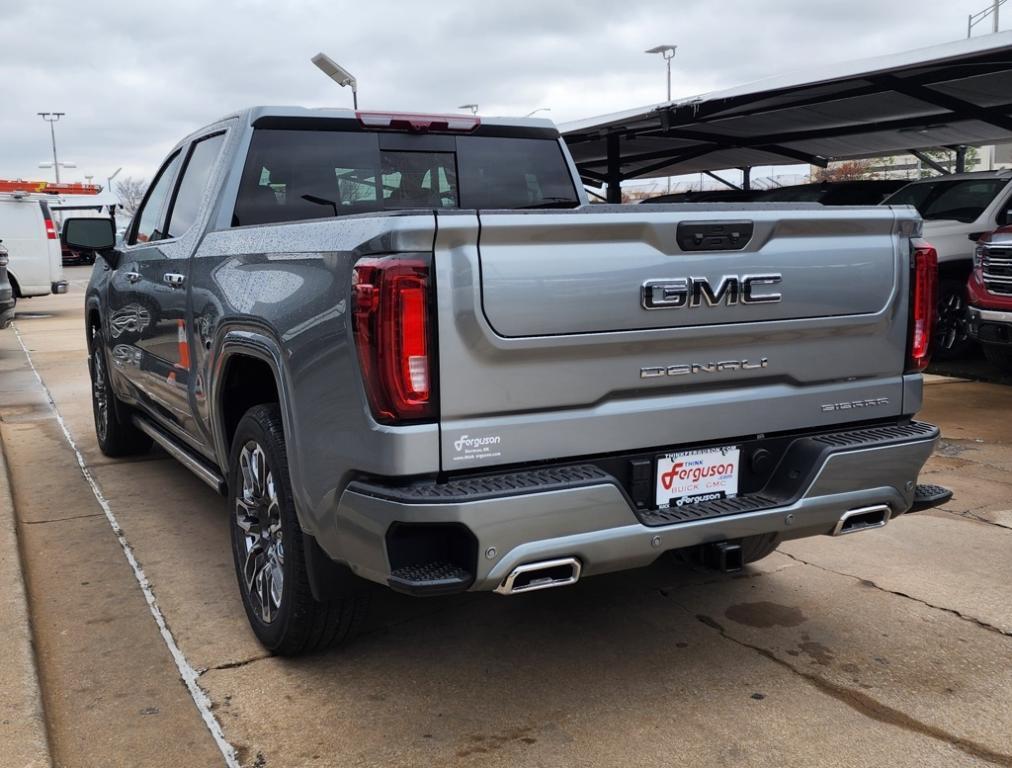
(186,671)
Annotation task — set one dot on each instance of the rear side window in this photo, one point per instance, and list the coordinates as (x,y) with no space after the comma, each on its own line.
(291,175)
(956,199)
(194,182)
(149,217)
(513,173)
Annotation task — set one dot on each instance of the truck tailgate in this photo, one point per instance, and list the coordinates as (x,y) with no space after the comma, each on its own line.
(565,333)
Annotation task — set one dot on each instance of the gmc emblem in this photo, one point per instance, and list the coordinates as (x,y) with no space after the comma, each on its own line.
(697,291)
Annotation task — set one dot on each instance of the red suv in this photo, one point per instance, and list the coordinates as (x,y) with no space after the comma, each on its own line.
(990,296)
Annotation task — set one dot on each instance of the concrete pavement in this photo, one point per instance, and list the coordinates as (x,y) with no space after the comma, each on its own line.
(891,647)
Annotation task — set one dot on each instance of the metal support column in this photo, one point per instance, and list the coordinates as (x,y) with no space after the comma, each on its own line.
(746,178)
(614,170)
(960,158)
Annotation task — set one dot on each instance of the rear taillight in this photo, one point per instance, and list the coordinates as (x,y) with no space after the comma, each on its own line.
(50,230)
(393,329)
(923,306)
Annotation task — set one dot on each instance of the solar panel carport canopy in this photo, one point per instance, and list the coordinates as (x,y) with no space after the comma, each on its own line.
(949,95)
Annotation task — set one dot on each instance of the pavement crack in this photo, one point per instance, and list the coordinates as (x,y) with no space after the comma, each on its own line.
(862,703)
(868,582)
(63,519)
(969,514)
(238,663)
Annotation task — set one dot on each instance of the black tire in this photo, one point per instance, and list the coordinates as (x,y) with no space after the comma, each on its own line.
(754,548)
(999,355)
(116,433)
(288,620)
(950,337)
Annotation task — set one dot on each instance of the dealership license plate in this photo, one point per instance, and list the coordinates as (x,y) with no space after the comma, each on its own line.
(692,477)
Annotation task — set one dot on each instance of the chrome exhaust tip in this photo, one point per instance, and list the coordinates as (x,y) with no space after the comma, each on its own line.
(862,519)
(543,575)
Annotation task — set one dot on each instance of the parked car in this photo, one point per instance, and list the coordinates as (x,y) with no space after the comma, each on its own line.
(7,300)
(990,294)
(957,209)
(705,196)
(26,226)
(407,350)
(854,192)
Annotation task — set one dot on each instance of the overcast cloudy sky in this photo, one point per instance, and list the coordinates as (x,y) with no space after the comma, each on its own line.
(134,77)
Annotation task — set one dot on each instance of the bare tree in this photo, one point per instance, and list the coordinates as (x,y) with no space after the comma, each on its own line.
(130,192)
(844,171)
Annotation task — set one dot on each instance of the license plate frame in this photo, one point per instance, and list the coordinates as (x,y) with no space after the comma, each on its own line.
(684,478)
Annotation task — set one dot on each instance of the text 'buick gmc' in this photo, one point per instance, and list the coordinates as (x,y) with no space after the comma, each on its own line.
(409,352)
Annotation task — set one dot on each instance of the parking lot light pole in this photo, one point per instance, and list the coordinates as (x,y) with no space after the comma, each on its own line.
(338,74)
(472,108)
(667,52)
(539,109)
(53,117)
(108,181)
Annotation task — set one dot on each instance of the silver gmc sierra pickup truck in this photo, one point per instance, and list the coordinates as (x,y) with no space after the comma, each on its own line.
(408,351)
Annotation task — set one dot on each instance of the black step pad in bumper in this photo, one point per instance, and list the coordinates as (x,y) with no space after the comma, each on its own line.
(928,496)
(438,578)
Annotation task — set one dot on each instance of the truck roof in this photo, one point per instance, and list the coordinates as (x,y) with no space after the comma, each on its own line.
(999,174)
(252,114)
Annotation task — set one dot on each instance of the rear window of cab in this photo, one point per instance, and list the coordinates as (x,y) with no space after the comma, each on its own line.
(293,175)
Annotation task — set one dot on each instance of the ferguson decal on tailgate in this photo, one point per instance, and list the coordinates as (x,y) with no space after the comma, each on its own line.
(469,448)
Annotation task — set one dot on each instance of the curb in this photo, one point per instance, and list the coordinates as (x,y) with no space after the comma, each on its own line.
(22,717)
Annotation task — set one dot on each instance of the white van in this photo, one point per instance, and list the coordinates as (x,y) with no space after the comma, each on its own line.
(29,235)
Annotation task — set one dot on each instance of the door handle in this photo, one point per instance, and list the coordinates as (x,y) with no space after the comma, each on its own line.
(132,277)
(174,279)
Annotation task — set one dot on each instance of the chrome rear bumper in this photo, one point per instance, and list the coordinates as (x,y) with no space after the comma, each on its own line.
(595,524)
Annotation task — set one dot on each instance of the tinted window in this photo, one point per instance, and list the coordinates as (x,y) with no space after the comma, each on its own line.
(149,217)
(513,173)
(957,199)
(802,193)
(191,188)
(298,174)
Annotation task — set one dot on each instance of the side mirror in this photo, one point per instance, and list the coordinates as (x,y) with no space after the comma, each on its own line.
(91,235)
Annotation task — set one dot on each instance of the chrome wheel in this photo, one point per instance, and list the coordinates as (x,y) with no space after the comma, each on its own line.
(99,391)
(258,518)
(952,321)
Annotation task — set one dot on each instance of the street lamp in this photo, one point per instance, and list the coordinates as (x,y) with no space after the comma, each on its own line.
(472,108)
(338,74)
(975,18)
(58,166)
(53,117)
(668,53)
(108,181)
(539,109)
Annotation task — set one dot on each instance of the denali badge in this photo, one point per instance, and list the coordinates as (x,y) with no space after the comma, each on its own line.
(697,291)
(651,372)
(869,403)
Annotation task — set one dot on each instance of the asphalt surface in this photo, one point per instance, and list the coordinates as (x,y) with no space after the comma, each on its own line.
(891,647)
